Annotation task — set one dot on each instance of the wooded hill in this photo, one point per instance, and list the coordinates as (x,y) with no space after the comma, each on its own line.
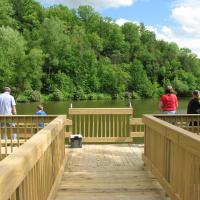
(65,53)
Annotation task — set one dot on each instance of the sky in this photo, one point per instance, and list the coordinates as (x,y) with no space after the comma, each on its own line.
(172,20)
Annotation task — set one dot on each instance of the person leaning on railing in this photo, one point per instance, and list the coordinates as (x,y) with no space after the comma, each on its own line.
(168,102)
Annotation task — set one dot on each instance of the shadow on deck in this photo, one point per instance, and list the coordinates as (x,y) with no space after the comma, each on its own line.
(107,172)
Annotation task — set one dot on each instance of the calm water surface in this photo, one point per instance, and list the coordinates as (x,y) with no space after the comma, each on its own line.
(140,107)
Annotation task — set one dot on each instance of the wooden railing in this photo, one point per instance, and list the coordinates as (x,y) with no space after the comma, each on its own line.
(137,126)
(189,122)
(17,129)
(102,124)
(34,170)
(173,155)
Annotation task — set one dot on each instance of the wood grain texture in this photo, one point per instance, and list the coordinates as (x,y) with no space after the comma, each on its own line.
(108,172)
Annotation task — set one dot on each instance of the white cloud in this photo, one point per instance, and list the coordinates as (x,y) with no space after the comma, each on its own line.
(188,16)
(184,41)
(122,21)
(167,33)
(95,3)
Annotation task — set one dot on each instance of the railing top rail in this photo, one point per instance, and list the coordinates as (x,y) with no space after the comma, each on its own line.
(95,111)
(21,116)
(14,167)
(169,125)
(176,115)
(175,133)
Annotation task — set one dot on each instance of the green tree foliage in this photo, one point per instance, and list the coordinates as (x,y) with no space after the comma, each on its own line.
(6,13)
(140,83)
(66,53)
(28,13)
(12,56)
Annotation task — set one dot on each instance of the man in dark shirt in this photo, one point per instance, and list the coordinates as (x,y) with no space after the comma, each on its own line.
(194,104)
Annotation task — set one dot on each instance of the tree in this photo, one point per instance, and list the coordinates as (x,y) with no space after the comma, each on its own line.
(139,80)
(12,54)
(28,13)
(6,13)
(113,79)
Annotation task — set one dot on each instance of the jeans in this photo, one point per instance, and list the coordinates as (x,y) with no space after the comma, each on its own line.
(169,112)
(14,135)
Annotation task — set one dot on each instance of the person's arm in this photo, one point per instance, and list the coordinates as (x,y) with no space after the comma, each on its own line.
(160,105)
(176,102)
(14,111)
(13,104)
(189,108)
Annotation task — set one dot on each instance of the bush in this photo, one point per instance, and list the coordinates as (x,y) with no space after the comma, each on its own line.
(56,95)
(135,95)
(44,97)
(92,96)
(35,96)
(22,99)
(79,94)
(121,95)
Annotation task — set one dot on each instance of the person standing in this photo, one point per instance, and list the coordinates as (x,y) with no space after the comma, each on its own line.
(194,104)
(8,107)
(7,103)
(168,102)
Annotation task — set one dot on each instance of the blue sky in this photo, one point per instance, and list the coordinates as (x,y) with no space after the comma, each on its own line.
(172,20)
(150,12)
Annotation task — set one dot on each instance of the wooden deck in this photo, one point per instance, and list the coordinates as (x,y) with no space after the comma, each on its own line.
(108,172)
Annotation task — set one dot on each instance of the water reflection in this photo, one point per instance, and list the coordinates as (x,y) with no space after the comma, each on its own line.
(141,106)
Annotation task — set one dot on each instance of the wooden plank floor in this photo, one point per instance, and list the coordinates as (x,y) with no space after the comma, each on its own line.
(107,172)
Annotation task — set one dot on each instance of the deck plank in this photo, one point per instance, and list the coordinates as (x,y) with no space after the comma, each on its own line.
(108,172)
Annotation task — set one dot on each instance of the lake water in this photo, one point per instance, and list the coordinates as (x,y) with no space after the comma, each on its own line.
(140,107)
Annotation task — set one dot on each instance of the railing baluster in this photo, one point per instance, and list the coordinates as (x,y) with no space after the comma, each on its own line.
(93,134)
(84,122)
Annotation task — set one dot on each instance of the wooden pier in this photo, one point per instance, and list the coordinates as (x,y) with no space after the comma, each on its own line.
(37,165)
(108,172)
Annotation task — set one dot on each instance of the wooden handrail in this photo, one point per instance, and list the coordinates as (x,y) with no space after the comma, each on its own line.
(137,127)
(98,111)
(190,122)
(19,127)
(173,155)
(33,170)
(101,124)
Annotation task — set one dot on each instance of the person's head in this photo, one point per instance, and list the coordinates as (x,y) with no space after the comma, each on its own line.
(196,93)
(168,89)
(7,89)
(40,107)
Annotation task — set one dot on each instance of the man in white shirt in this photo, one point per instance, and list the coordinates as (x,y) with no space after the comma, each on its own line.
(7,107)
(7,103)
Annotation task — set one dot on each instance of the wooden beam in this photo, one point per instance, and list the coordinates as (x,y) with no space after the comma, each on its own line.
(136,134)
(107,139)
(96,111)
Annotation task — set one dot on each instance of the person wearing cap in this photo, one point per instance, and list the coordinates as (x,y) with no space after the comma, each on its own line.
(194,103)
(168,102)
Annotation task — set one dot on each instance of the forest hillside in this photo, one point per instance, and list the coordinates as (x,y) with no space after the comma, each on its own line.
(58,53)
